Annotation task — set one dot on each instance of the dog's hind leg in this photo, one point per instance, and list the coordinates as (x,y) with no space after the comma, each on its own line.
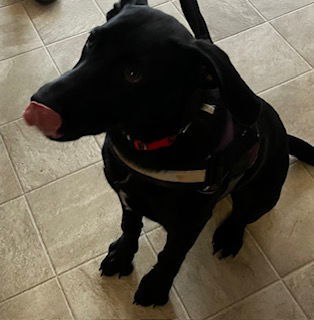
(121,252)
(249,203)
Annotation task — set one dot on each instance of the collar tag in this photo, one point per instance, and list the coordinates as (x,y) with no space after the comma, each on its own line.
(209,108)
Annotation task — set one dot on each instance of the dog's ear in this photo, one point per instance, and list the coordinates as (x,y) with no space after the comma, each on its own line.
(118,6)
(216,68)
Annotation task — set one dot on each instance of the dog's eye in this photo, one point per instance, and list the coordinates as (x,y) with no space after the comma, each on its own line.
(133,74)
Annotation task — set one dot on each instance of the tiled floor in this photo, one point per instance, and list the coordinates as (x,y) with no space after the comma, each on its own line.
(58,217)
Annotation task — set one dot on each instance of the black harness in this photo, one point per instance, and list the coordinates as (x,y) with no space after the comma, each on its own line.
(222,169)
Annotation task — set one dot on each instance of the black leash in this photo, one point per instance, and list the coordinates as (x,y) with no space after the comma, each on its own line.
(195,19)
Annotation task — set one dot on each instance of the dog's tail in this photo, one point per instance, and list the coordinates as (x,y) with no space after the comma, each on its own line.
(195,19)
(301,149)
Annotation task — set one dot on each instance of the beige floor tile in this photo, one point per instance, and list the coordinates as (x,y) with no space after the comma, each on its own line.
(149,225)
(7,2)
(286,234)
(66,53)
(294,103)
(154,3)
(39,160)
(299,35)
(170,9)
(42,302)
(78,217)
(9,185)
(301,283)
(95,297)
(262,57)
(273,303)
(100,139)
(310,169)
(222,16)
(63,19)
(23,262)
(271,9)
(207,284)
(105,5)
(21,76)
(17,34)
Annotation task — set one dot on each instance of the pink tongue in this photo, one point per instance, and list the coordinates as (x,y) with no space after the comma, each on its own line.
(44,118)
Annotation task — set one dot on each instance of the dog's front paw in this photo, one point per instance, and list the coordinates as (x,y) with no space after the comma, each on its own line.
(117,260)
(152,291)
(228,239)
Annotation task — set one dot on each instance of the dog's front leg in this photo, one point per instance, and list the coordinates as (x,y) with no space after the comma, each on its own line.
(121,252)
(155,286)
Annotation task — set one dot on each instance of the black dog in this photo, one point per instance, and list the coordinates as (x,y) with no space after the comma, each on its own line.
(183,130)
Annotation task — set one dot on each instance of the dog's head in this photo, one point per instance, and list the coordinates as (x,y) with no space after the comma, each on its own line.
(143,72)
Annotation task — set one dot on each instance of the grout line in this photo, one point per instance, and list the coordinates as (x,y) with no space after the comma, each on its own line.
(90,165)
(154,229)
(26,290)
(13,166)
(65,298)
(45,249)
(21,53)
(223,38)
(10,122)
(284,82)
(41,39)
(290,12)
(162,3)
(218,313)
(264,254)
(290,293)
(291,47)
(231,305)
(104,253)
(308,170)
(24,192)
(9,4)
(240,32)
(82,263)
(53,61)
(175,290)
(98,144)
(277,280)
(256,10)
(14,172)
(67,38)
(99,9)
(304,266)
(296,269)
(277,273)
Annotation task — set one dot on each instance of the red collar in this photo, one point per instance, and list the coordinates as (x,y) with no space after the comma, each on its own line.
(168,141)
(165,142)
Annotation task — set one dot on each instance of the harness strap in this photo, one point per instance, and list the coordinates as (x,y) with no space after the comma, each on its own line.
(222,169)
